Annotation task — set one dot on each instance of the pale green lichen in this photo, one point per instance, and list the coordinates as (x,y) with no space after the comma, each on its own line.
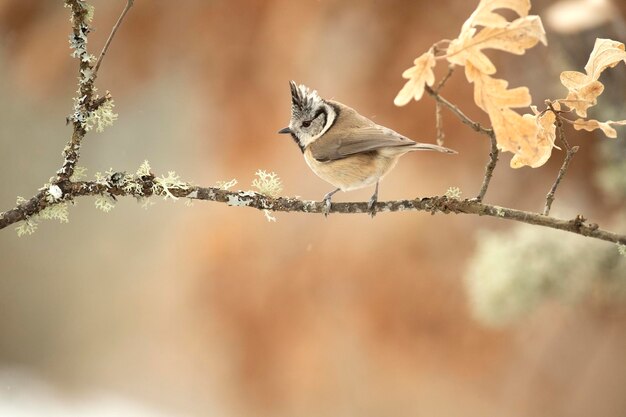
(164,184)
(80,173)
(102,117)
(104,203)
(86,73)
(89,58)
(27,227)
(226,185)
(454,192)
(144,169)
(100,179)
(58,212)
(131,186)
(91,10)
(621,249)
(267,183)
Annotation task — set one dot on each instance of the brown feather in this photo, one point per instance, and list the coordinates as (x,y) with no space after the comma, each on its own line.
(354,134)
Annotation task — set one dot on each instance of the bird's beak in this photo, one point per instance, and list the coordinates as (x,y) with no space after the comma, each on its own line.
(284,131)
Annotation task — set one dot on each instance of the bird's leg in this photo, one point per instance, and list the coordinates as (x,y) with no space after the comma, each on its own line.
(326,201)
(371,206)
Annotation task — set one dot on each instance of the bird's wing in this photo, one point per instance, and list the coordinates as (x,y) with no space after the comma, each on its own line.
(353,134)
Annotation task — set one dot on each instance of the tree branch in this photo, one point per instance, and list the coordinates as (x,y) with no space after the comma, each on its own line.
(145,187)
(78,43)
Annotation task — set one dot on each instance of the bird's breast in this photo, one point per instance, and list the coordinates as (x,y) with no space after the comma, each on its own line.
(352,172)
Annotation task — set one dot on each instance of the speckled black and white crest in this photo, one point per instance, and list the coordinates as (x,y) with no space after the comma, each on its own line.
(303,99)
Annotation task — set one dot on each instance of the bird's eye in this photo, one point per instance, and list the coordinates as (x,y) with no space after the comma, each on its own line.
(306,123)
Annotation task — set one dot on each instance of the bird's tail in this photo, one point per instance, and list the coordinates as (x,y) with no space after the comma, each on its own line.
(431,147)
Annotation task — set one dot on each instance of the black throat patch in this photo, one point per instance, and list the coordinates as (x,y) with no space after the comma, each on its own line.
(295,139)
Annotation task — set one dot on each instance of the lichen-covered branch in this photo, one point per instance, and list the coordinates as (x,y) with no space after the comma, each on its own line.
(81,15)
(149,185)
(90,110)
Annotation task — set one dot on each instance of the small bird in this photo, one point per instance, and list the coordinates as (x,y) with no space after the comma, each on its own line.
(342,147)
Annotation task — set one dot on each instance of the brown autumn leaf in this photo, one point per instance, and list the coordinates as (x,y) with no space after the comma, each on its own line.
(606,53)
(420,74)
(583,92)
(515,37)
(591,125)
(514,133)
(529,137)
(584,89)
(541,148)
(485,15)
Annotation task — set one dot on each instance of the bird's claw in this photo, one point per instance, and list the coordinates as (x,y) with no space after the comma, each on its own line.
(326,206)
(371,206)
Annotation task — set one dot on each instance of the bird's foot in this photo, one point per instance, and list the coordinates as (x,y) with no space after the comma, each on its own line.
(326,207)
(326,202)
(371,206)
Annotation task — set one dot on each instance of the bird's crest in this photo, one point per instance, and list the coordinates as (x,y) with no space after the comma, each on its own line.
(302,98)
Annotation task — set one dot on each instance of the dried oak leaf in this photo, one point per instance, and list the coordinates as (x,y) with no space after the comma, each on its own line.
(529,137)
(584,89)
(420,74)
(514,37)
(538,150)
(590,125)
(484,14)
(583,92)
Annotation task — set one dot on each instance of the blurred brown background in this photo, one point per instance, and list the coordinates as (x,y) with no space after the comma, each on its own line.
(211,310)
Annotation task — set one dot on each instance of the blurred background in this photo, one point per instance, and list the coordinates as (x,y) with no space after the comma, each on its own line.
(212,311)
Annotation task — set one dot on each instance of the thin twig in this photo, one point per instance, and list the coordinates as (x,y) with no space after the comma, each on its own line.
(438,119)
(493,154)
(458,113)
(444,79)
(570,152)
(439,124)
(72,190)
(491,166)
(550,197)
(129,4)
